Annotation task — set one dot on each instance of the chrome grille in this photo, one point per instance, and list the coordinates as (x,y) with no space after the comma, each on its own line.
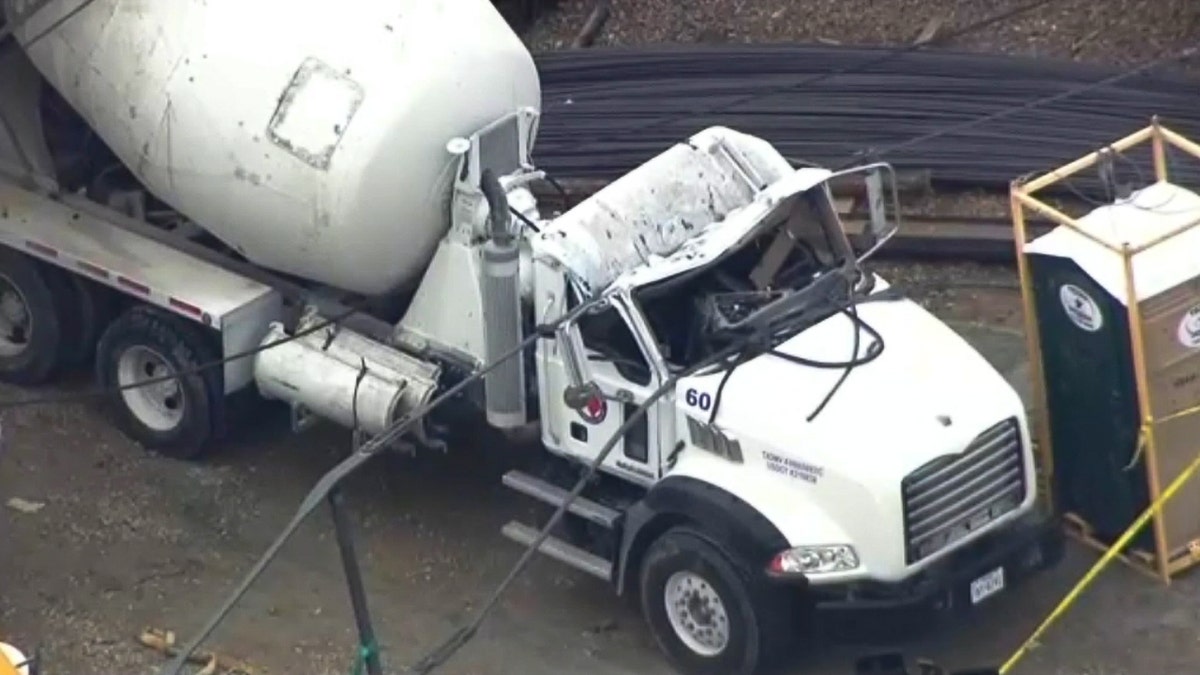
(956,495)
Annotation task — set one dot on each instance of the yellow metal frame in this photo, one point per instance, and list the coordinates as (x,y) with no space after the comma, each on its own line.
(1161,563)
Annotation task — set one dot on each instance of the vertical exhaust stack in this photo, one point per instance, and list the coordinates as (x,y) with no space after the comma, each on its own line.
(504,386)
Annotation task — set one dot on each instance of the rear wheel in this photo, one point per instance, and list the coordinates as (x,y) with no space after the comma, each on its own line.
(93,303)
(31,319)
(67,303)
(171,416)
(706,607)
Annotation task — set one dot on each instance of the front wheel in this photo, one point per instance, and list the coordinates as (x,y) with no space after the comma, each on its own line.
(706,607)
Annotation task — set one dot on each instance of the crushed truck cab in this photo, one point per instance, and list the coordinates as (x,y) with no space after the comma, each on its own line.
(869,457)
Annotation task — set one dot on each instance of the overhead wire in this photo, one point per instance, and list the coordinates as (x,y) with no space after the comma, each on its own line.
(605,93)
(350,309)
(876,153)
(15,24)
(358,457)
(57,23)
(886,55)
(373,446)
(323,487)
(444,651)
(33,11)
(862,64)
(1116,78)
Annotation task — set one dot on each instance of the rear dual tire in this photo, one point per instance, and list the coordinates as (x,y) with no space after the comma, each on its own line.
(49,319)
(52,321)
(137,355)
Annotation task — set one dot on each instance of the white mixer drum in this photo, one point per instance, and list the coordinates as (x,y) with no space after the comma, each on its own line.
(309,135)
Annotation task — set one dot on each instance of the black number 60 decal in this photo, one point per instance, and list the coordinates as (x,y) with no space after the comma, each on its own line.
(698,399)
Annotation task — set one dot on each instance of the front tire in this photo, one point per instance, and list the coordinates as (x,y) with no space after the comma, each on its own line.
(707,610)
(172,417)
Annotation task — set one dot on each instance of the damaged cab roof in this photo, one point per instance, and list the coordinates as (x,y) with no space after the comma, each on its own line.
(677,211)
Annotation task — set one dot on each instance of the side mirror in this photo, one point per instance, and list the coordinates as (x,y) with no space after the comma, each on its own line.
(580,388)
(881,225)
(883,205)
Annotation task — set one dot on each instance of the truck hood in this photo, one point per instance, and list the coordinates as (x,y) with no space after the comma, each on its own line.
(928,393)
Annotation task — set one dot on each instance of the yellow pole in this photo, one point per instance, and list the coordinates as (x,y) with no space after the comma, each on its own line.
(1033,344)
(1145,408)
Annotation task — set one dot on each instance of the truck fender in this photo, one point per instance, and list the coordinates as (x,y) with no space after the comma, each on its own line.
(681,499)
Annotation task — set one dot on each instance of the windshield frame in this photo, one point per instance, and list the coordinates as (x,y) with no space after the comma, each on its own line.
(844,267)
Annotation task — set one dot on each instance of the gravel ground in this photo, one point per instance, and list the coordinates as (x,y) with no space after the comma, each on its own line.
(1107,31)
(119,540)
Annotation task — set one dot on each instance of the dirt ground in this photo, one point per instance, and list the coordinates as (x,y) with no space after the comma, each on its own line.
(109,539)
(1107,31)
(124,540)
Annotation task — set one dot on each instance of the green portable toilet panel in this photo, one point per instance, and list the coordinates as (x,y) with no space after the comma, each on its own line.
(1080,299)
(1091,395)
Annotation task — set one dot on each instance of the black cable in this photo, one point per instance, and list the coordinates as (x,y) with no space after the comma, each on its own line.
(887,103)
(755,348)
(220,362)
(18,22)
(746,356)
(873,352)
(6,31)
(524,219)
(109,391)
(84,4)
(346,467)
(889,54)
(1143,68)
(1184,54)
(443,652)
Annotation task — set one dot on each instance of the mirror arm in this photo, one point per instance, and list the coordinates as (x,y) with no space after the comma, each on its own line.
(580,387)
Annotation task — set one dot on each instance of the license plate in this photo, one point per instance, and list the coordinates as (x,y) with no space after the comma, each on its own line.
(987,585)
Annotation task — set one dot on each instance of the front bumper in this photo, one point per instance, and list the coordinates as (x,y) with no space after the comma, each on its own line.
(1026,547)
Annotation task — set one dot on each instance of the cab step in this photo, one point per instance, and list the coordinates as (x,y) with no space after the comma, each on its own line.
(555,496)
(560,550)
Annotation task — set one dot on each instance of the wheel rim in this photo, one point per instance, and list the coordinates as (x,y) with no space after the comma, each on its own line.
(16,324)
(696,613)
(158,405)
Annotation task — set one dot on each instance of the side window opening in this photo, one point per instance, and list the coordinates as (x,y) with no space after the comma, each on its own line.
(607,334)
(637,441)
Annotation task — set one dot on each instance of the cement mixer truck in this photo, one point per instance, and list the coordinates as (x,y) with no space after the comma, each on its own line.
(187,181)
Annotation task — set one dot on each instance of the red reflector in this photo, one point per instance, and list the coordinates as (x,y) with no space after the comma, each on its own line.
(133,285)
(186,307)
(92,269)
(41,248)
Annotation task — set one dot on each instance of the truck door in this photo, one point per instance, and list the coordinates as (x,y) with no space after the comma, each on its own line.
(622,370)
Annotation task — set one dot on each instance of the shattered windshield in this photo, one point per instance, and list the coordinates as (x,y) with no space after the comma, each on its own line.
(783,272)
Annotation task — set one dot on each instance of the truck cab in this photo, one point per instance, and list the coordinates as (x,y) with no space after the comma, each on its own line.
(663,248)
(820,432)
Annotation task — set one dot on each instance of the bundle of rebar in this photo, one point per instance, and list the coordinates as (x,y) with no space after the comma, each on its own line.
(607,110)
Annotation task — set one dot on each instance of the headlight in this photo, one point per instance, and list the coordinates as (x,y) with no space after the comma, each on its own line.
(811,560)
(708,437)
